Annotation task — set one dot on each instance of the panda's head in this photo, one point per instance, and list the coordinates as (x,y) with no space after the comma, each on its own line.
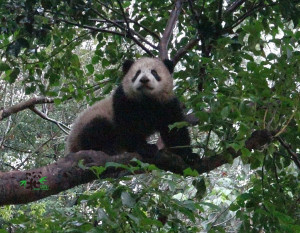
(149,77)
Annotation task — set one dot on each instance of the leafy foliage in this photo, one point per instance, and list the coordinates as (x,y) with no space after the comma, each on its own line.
(238,72)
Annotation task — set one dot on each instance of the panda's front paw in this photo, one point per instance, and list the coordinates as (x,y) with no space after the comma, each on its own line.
(147,150)
(191,158)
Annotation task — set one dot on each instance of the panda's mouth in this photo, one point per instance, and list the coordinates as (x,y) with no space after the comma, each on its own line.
(144,87)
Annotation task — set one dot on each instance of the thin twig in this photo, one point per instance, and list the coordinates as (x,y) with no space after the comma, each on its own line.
(36,150)
(265,116)
(244,16)
(234,6)
(220,10)
(131,20)
(289,150)
(93,28)
(58,51)
(124,15)
(286,125)
(62,126)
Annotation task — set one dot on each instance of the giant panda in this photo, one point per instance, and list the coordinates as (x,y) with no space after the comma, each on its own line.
(143,103)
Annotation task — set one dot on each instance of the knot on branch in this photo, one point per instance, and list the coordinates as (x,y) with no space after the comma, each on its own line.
(258,139)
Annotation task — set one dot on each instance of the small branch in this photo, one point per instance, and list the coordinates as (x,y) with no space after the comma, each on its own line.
(4,113)
(61,48)
(17,149)
(163,44)
(220,10)
(244,16)
(128,31)
(131,32)
(289,150)
(93,28)
(131,20)
(234,6)
(36,150)
(182,51)
(124,15)
(62,126)
(112,32)
(286,125)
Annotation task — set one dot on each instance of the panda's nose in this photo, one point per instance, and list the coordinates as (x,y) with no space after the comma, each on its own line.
(144,80)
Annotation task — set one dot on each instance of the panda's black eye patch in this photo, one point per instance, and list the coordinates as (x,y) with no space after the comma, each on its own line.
(136,75)
(155,74)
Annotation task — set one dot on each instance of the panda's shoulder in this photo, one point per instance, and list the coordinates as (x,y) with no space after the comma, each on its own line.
(102,108)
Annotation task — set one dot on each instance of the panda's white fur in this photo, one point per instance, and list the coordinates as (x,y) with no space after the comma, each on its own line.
(142,104)
(160,90)
(102,108)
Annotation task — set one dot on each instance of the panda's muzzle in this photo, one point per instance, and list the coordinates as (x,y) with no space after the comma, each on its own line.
(145,83)
(144,80)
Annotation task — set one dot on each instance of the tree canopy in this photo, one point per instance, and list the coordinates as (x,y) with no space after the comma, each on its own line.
(237,71)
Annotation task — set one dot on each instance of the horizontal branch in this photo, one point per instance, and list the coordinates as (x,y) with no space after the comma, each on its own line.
(4,113)
(93,28)
(65,173)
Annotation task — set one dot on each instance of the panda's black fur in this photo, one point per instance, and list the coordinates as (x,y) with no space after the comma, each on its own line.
(135,111)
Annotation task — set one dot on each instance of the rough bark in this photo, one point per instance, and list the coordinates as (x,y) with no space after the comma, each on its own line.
(66,173)
(6,112)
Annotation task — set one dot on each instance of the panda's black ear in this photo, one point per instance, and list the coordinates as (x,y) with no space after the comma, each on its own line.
(126,66)
(170,65)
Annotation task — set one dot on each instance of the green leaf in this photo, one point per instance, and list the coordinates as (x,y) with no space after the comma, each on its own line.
(246,152)
(127,200)
(190,172)
(201,188)
(90,68)
(13,75)
(179,125)
(105,62)
(4,67)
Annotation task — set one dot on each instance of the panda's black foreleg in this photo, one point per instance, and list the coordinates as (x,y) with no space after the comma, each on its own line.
(99,135)
(138,143)
(178,142)
(147,150)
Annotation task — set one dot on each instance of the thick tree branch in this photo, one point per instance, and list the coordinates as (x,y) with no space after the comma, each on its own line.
(164,41)
(4,113)
(66,173)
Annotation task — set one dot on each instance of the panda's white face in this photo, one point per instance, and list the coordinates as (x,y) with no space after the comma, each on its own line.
(149,77)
